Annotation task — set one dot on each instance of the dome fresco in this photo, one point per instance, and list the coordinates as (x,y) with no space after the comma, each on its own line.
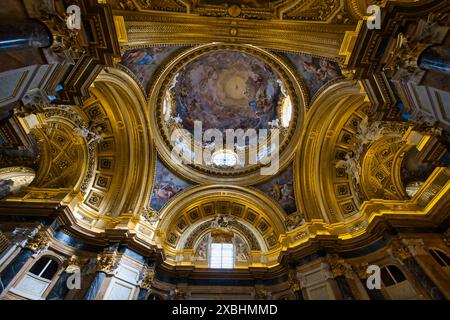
(227,111)
(227,90)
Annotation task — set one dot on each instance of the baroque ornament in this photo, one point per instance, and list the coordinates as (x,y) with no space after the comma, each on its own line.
(337,265)
(73,264)
(107,262)
(39,243)
(294,220)
(293,281)
(147,277)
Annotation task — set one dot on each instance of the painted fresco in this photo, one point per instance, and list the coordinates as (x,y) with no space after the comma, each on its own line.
(281,189)
(144,62)
(227,90)
(166,185)
(316,72)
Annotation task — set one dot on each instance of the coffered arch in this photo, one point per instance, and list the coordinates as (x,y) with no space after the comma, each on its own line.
(132,148)
(249,213)
(334,115)
(98,157)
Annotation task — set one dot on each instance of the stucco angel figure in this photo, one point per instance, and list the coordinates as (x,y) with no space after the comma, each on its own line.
(351,166)
(201,251)
(294,220)
(242,252)
(93,133)
(151,216)
(221,222)
(368,133)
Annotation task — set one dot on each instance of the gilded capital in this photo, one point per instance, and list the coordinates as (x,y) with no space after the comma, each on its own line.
(147,277)
(293,280)
(73,264)
(398,250)
(361,270)
(403,60)
(40,241)
(337,265)
(106,262)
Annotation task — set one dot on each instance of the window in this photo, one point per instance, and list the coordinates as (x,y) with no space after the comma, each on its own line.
(224,158)
(391,275)
(286,112)
(35,282)
(440,257)
(45,268)
(221,256)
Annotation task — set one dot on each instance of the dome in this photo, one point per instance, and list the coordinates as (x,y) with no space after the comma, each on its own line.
(226,111)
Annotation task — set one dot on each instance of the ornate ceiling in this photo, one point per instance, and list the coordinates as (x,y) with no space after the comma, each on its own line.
(340,173)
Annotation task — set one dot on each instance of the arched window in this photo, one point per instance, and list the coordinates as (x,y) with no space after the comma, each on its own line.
(221,255)
(37,280)
(396,285)
(45,268)
(440,257)
(392,275)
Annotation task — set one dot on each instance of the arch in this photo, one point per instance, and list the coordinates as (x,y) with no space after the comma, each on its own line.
(329,193)
(382,166)
(205,174)
(127,159)
(98,158)
(195,212)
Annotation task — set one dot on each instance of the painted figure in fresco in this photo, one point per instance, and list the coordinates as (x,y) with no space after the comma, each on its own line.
(166,191)
(139,57)
(316,72)
(281,189)
(276,190)
(227,90)
(241,252)
(287,192)
(166,186)
(322,69)
(143,62)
